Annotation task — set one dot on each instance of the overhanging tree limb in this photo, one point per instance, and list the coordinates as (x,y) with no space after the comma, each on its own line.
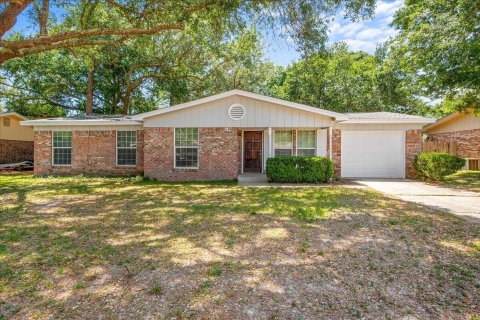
(82,34)
(8,16)
(16,49)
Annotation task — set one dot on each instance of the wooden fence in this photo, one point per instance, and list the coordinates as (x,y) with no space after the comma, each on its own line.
(440,146)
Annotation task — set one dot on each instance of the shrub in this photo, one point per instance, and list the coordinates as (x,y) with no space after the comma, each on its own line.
(299,169)
(436,166)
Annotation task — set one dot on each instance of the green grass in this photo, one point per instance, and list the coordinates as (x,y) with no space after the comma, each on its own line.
(87,243)
(468,180)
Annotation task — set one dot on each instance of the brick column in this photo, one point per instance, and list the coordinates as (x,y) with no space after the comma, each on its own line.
(413,146)
(42,152)
(337,151)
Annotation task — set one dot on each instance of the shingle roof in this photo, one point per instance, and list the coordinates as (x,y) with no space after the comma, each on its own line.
(94,117)
(381,115)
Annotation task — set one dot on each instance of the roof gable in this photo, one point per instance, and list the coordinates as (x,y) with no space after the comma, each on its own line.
(467,119)
(9,114)
(337,116)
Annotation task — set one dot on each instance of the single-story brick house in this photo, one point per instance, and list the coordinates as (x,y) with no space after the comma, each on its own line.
(220,136)
(16,142)
(462,127)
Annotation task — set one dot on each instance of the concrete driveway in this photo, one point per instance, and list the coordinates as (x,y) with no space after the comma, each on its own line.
(464,204)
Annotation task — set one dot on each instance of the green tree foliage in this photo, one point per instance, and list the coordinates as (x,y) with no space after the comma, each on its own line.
(439,45)
(110,22)
(346,81)
(138,76)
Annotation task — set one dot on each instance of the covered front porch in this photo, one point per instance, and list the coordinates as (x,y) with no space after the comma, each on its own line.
(259,144)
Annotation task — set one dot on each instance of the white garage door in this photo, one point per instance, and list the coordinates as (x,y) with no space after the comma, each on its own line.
(373,154)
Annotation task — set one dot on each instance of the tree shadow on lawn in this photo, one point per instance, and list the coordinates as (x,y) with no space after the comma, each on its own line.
(126,249)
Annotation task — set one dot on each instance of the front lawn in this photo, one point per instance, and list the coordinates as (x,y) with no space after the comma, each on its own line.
(467,180)
(125,248)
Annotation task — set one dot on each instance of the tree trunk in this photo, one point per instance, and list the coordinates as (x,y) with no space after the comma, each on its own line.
(126,100)
(89,106)
(43,17)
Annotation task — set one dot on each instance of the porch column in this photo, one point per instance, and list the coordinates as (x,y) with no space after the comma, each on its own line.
(241,154)
(330,140)
(269,142)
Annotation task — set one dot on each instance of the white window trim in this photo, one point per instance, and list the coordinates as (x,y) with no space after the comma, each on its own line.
(71,150)
(315,142)
(175,149)
(116,150)
(274,148)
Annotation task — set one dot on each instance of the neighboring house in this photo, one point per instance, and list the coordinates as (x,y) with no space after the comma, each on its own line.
(220,136)
(16,142)
(462,128)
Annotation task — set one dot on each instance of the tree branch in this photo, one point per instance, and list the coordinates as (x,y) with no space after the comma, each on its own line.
(8,16)
(82,34)
(7,55)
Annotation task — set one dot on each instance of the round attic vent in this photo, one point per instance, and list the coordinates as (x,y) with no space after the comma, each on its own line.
(236,111)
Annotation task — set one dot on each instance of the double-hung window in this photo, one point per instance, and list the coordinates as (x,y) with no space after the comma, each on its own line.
(62,148)
(126,148)
(283,143)
(306,143)
(186,147)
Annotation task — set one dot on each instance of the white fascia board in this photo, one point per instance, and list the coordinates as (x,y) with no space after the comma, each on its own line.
(335,115)
(78,123)
(366,121)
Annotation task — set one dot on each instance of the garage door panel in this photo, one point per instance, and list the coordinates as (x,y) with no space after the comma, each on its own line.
(373,154)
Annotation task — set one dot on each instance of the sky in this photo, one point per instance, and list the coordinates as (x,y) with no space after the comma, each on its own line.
(362,35)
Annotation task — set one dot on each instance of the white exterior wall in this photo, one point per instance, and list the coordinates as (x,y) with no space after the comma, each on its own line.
(258,114)
(322,143)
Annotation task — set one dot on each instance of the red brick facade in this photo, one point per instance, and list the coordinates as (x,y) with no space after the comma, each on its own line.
(468,142)
(15,151)
(220,158)
(93,152)
(413,146)
(337,151)
(219,155)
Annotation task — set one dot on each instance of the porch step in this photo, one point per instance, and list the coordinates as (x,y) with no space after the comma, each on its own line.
(250,177)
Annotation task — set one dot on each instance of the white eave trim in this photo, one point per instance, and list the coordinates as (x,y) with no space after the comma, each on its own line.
(79,123)
(335,115)
(419,121)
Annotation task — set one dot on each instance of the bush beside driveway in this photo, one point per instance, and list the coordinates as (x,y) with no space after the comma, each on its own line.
(126,248)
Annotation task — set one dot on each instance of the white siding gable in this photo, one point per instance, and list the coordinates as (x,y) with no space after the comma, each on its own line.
(258,114)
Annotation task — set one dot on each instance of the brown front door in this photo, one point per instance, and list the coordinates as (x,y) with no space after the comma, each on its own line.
(252,151)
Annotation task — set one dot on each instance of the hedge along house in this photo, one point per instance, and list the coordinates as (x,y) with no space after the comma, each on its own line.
(220,136)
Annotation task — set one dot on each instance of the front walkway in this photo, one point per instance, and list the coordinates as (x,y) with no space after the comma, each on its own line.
(464,204)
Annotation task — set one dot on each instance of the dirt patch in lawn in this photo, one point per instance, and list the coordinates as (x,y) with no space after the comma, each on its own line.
(126,248)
